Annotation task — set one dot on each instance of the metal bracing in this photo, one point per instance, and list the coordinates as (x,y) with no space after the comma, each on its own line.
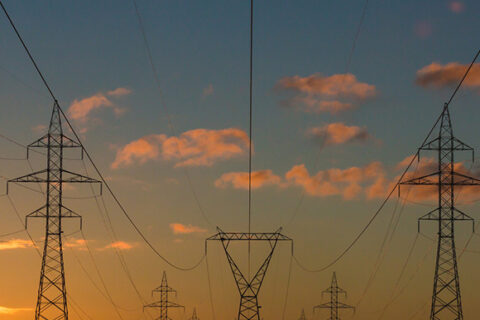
(52,293)
(194,315)
(249,289)
(302,315)
(164,303)
(446,299)
(334,305)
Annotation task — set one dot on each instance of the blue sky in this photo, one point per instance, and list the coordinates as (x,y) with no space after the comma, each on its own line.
(89,48)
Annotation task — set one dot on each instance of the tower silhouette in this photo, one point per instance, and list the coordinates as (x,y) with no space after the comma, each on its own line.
(164,303)
(334,305)
(446,298)
(52,293)
(302,315)
(194,315)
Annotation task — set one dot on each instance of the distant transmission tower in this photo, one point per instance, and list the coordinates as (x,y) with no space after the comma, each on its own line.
(446,299)
(52,294)
(334,305)
(302,315)
(164,303)
(194,315)
(249,287)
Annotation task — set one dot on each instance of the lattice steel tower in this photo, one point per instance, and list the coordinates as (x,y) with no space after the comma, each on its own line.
(334,305)
(52,293)
(194,315)
(446,299)
(249,288)
(164,303)
(302,315)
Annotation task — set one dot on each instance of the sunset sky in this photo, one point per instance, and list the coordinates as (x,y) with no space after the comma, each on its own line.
(330,136)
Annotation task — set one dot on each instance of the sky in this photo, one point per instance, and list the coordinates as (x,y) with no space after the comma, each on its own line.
(337,112)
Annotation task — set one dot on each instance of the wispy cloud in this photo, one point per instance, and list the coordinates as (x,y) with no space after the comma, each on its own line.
(318,94)
(81,110)
(456,6)
(11,311)
(436,75)
(15,244)
(339,133)
(239,180)
(178,228)
(198,147)
(423,29)
(119,245)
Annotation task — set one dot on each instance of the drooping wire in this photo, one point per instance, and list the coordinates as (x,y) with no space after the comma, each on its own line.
(382,205)
(165,108)
(105,183)
(287,293)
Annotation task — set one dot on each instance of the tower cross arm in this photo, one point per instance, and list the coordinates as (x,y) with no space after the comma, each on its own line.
(465,180)
(426,180)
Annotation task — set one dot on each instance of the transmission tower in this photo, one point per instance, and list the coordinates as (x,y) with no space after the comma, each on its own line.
(302,315)
(334,305)
(52,293)
(249,288)
(164,303)
(194,315)
(446,299)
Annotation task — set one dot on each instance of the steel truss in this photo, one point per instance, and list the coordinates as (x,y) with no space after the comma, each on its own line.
(334,305)
(249,308)
(52,293)
(446,298)
(164,303)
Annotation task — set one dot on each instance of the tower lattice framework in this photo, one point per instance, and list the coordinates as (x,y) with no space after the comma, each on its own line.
(249,288)
(52,293)
(164,290)
(446,299)
(194,315)
(334,305)
(302,315)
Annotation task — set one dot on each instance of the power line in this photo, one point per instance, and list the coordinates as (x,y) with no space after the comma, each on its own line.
(124,211)
(375,215)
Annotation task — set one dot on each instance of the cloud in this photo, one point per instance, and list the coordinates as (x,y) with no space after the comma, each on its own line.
(436,75)
(179,228)
(317,93)
(79,244)
(423,29)
(456,6)
(120,245)
(349,183)
(15,244)
(239,180)
(10,311)
(339,133)
(39,129)
(198,147)
(81,110)
(208,91)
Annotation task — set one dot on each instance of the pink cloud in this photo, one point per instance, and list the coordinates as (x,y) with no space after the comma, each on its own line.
(208,91)
(339,133)
(239,180)
(198,147)
(81,110)
(438,76)
(179,228)
(317,93)
(120,245)
(349,183)
(456,6)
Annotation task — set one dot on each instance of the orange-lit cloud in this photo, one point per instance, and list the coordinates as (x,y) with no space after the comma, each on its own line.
(456,6)
(10,311)
(178,228)
(350,183)
(317,93)
(339,133)
(198,147)
(438,76)
(15,244)
(78,244)
(239,180)
(81,110)
(120,245)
